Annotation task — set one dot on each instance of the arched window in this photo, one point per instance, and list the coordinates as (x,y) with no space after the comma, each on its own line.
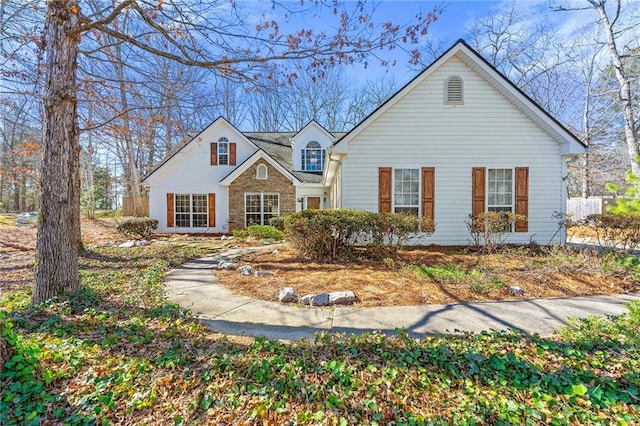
(454,91)
(223,151)
(313,157)
(261,172)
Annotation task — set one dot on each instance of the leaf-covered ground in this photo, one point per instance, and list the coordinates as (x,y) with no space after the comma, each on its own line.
(441,274)
(118,352)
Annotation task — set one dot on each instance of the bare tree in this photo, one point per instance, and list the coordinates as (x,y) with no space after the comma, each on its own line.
(366,98)
(202,36)
(610,21)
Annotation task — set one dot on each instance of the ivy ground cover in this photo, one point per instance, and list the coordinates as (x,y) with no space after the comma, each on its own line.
(118,352)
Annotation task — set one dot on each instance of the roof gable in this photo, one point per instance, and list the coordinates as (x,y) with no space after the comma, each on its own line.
(260,154)
(314,128)
(215,125)
(461,50)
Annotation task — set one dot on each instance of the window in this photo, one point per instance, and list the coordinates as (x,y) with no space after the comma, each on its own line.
(223,151)
(261,172)
(453,91)
(313,157)
(191,210)
(406,191)
(500,190)
(260,208)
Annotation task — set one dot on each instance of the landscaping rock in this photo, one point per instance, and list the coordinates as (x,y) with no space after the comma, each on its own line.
(342,298)
(288,295)
(306,299)
(133,243)
(514,290)
(262,274)
(226,265)
(321,299)
(246,270)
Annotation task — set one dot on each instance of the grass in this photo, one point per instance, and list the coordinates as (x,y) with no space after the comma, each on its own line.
(117,352)
(103,214)
(8,219)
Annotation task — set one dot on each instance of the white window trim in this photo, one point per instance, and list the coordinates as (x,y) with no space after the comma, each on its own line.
(191,212)
(261,194)
(393,191)
(510,206)
(305,153)
(266,172)
(223,141)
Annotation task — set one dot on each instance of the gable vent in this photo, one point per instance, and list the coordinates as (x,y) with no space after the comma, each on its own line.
(453,91)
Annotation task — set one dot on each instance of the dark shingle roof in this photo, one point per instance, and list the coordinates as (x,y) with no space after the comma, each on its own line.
(276,144)
(278,147)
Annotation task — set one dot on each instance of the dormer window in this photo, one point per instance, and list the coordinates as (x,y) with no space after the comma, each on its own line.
(313,157)
(223,151)
(261,172)
(454,91)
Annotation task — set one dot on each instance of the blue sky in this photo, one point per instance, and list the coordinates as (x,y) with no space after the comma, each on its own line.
(449,27)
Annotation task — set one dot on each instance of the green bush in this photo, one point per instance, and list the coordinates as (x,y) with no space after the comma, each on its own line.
(327,235)
(138,226)
(265,232)
(260,232)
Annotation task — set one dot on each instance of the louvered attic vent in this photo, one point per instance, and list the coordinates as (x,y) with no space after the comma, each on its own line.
(453,91)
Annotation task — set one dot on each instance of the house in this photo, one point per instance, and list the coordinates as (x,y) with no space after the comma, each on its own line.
(224,179)
(457,140)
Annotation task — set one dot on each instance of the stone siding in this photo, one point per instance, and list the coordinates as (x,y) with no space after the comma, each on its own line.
(247,182)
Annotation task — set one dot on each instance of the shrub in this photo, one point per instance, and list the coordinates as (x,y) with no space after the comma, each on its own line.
(616,230)
(277,222)
(265,232)
(138,226)
(392,230)
(259,232)
(327,235)
(491,229)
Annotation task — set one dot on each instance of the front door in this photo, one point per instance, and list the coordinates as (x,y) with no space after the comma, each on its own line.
(313,203)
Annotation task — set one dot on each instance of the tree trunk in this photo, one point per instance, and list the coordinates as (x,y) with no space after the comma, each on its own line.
(58,233)
(625,88)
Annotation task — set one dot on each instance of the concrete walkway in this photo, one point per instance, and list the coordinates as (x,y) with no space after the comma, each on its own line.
(194,286)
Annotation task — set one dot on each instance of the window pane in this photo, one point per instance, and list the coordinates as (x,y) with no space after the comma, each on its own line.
(500,189)
(199,203)
(183,220)
(407,210)
(223,153)
(182,203)
(199,220)
(406,191)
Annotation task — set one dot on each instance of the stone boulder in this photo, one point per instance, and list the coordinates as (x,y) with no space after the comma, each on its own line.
(321,299)
(133,243)
(226,265)
(306,299)
(514,290)
(246,270)
(263,274)
(342,298)
(288,295)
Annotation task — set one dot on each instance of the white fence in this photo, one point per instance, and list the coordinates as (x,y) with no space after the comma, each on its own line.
(580,208)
